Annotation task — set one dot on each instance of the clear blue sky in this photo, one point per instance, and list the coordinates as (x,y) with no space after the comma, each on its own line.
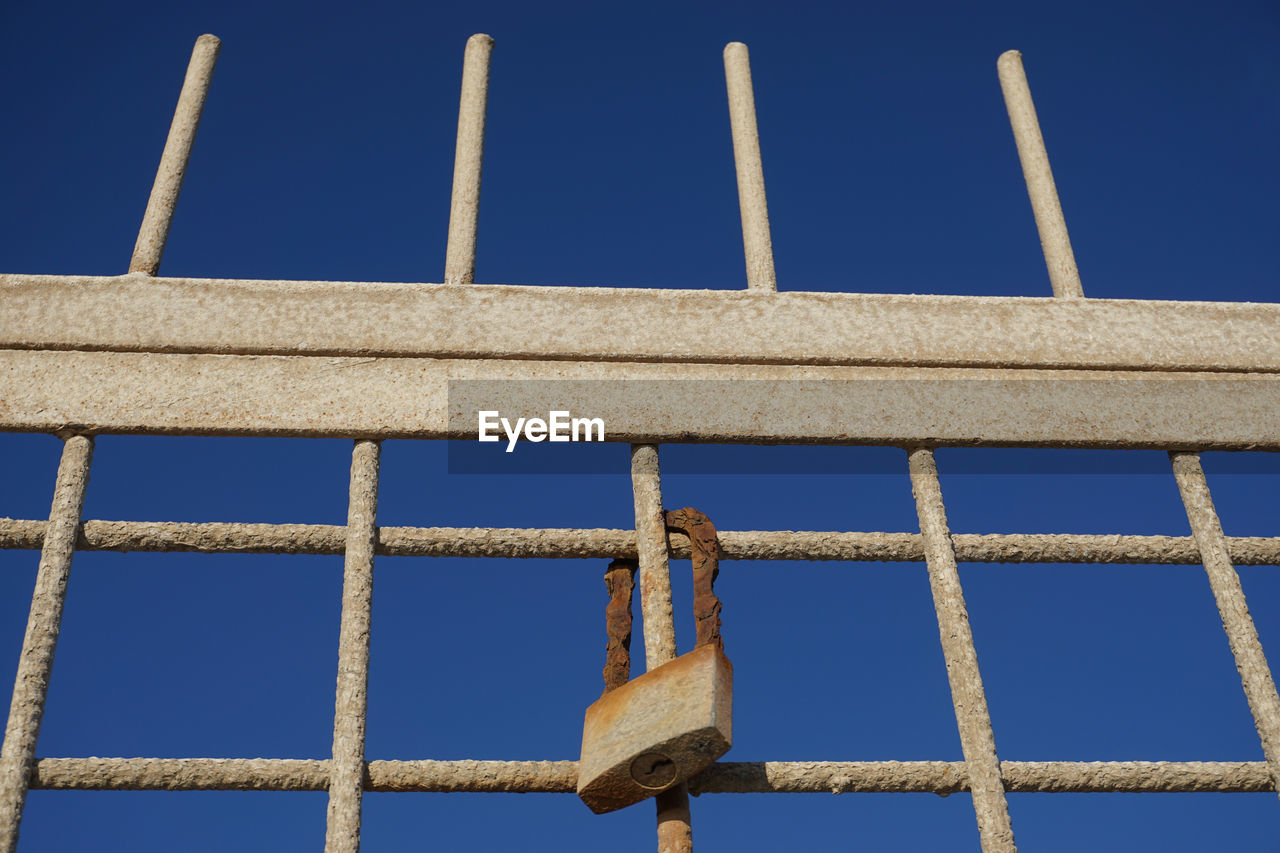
(326,153)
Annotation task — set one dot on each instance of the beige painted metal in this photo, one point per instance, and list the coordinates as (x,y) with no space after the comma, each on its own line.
(757,243)
(437,398)
(35,663)
(654,575)
(346,784)
(972,717)
(941,777)
(560,777)
(154,232)
(1251,662)
(1050,222)
(675,832)
(464,207)
(597,543)
(134,313)
(1255,674)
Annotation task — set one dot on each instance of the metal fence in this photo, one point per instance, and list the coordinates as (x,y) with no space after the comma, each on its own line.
(81,356)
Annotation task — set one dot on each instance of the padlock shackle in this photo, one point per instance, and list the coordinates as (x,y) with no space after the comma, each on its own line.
(705,551)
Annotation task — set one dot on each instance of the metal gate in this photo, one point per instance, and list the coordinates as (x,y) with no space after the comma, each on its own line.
(140,353)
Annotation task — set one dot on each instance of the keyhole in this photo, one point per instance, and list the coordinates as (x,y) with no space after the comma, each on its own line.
(653,770)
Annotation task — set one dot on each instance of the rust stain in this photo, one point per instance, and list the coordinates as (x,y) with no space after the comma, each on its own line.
(706,566)
(620,579)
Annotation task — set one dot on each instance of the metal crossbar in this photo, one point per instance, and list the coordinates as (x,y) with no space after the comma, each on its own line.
(1001,371)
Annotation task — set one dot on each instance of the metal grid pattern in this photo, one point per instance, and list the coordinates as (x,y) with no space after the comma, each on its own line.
(54,332)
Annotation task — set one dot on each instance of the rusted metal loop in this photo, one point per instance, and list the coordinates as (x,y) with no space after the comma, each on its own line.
(620,579)
(705,551)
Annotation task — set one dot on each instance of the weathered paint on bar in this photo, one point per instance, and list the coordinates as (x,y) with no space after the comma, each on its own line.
(560,777)
(142,314)
(108,392)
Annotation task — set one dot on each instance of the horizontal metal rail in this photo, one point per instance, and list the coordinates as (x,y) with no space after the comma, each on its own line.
(560,777)
(117,392)
(137,313)
(602,543)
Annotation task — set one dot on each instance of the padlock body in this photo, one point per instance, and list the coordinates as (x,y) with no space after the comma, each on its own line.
(657,730)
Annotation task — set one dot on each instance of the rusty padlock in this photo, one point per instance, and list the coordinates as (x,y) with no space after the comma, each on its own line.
(647,735)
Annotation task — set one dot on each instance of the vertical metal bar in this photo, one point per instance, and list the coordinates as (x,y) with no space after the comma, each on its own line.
(675,831)
(655,573)
(1058,257)
(346,785)
(464,207)
(675,823)
(1251,662)
(756,240)
(154,232)
(970,700)
(35,665)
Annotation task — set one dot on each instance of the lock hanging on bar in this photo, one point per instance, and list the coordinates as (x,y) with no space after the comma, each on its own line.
(653,732)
